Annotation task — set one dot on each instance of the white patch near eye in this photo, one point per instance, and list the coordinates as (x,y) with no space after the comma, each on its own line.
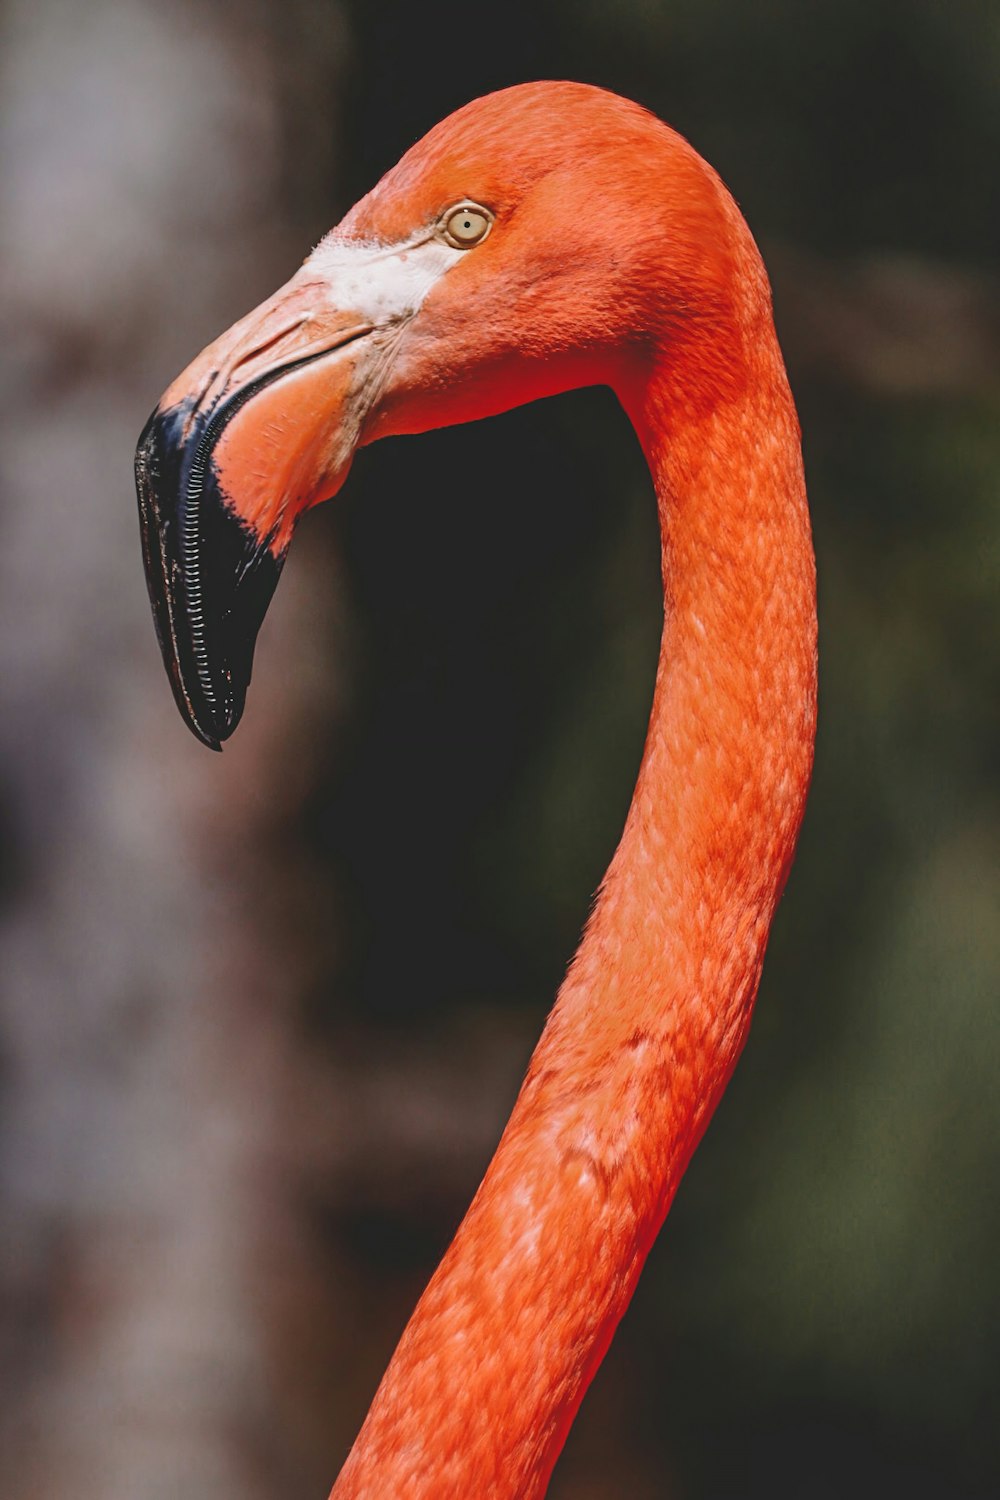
(383,283)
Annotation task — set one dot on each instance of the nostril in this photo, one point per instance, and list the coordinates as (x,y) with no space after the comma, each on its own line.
(267,345)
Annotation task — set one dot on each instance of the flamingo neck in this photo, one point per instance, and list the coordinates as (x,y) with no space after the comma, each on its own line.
(653,1013)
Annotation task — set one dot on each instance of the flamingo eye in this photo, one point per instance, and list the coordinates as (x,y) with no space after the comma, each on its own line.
(466,225)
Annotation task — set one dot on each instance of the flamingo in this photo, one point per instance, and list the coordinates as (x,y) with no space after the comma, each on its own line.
(545,237)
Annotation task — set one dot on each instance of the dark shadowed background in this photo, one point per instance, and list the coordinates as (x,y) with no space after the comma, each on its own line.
(264,1013)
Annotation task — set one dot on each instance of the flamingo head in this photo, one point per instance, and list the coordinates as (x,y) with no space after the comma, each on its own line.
(543,238)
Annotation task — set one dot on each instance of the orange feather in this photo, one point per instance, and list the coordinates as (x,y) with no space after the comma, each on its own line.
(669,304)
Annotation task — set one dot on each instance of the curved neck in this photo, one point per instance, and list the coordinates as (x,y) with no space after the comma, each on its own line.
(653,1013)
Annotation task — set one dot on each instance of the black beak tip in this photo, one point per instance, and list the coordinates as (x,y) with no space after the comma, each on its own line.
(208,740)
(210,579)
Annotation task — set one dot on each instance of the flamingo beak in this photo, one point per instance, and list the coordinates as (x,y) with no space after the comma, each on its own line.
(262,425)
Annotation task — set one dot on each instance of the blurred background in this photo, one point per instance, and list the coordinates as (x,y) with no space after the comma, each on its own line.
(264,1014)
